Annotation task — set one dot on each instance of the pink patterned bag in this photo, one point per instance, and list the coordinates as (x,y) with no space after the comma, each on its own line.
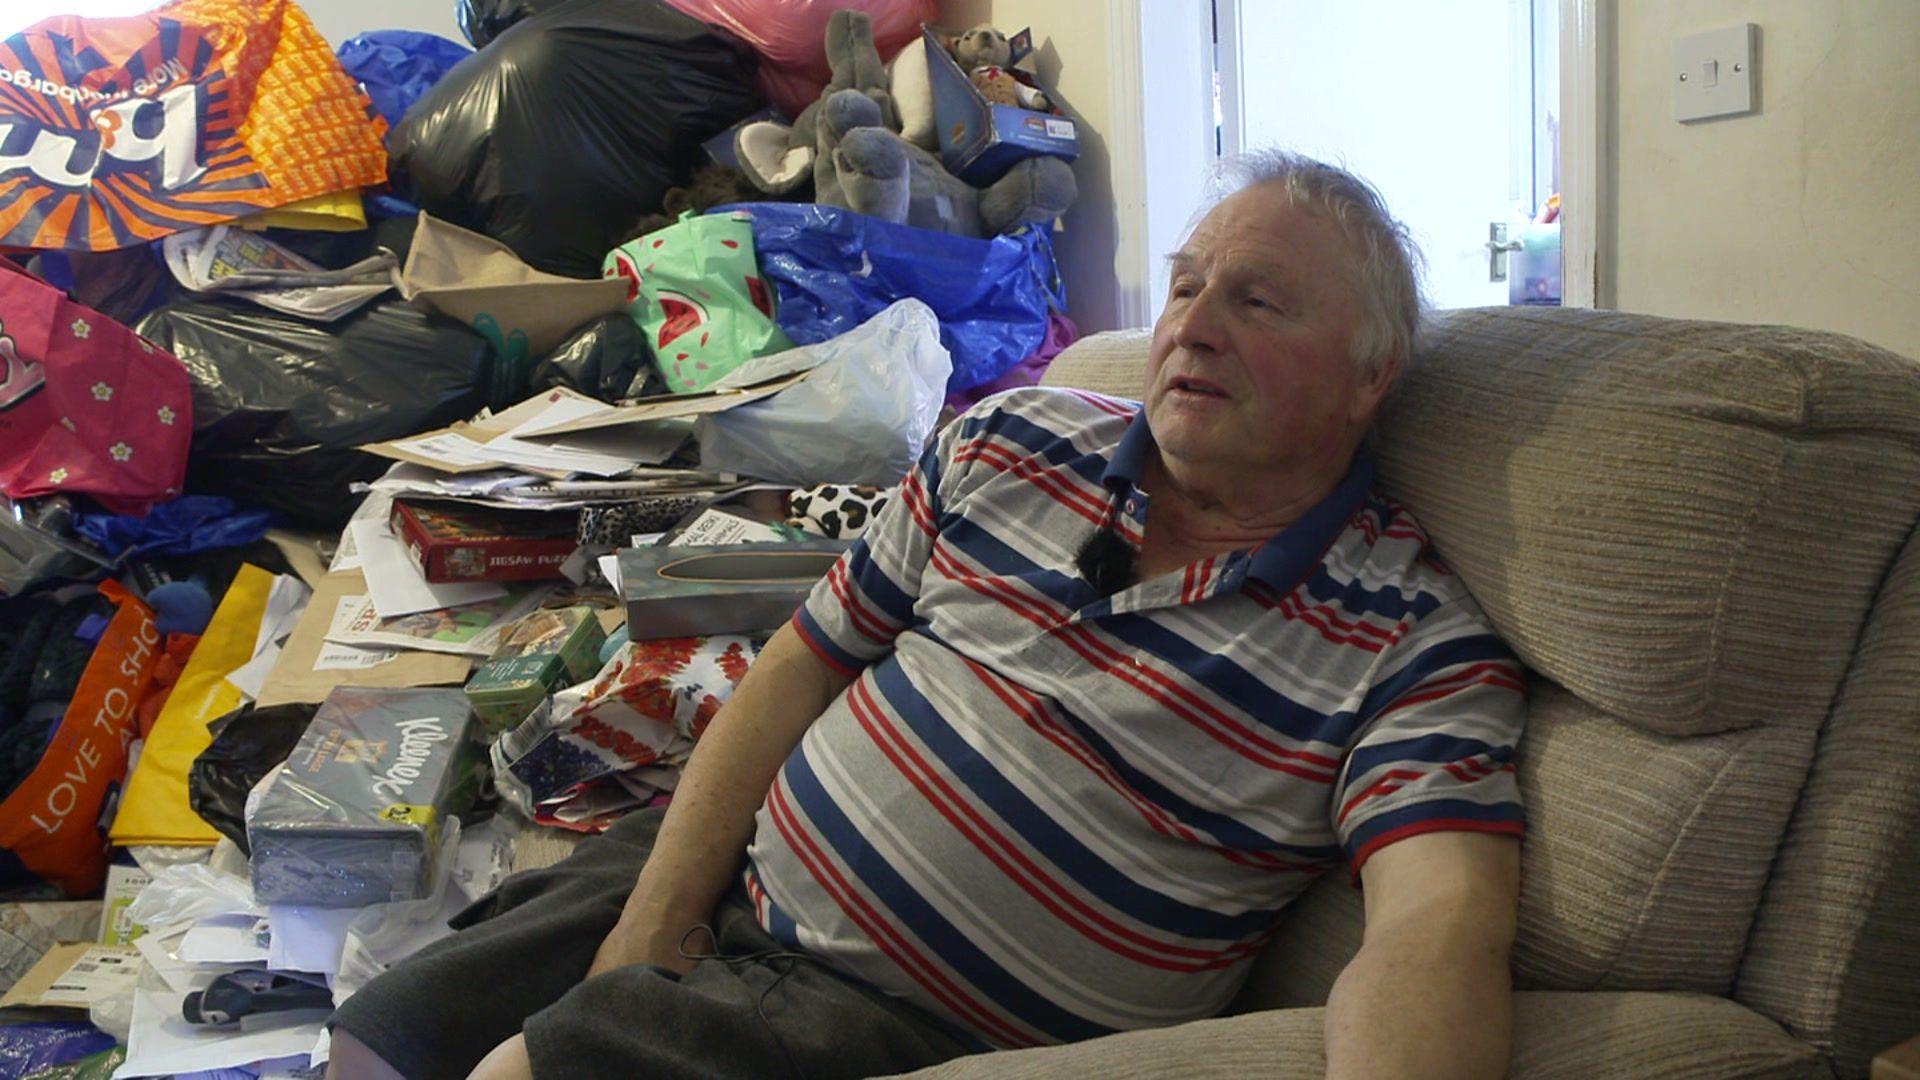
(86,405)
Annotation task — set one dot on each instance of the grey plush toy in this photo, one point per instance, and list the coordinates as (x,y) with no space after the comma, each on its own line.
(778,157)
(859,162)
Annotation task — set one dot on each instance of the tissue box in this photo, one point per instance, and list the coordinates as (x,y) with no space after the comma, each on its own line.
(539,654)
(696,590)
(355,816)
(980,141)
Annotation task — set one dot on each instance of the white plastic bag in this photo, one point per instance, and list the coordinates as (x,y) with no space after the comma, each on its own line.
(862,417)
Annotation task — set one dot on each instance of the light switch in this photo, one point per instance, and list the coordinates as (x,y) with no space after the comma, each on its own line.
(1713,73)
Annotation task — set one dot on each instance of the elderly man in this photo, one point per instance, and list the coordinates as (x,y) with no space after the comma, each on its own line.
(1049,752)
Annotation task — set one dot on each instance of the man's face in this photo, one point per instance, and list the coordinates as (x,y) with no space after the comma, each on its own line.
(1250,366)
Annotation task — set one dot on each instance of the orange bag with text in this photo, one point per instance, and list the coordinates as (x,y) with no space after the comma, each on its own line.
(50,827)
(118,131)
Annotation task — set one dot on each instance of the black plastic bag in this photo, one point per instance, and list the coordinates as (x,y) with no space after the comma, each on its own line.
(484,20)
(247,744)
(279,403)
(555,138)
(606,359)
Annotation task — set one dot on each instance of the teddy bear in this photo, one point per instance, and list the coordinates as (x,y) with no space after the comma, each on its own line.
(861,163)
(982,46)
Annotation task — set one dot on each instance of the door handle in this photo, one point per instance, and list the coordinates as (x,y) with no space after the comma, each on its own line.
(1497,247)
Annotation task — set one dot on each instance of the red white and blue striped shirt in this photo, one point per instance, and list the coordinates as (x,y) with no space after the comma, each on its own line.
(1046,815)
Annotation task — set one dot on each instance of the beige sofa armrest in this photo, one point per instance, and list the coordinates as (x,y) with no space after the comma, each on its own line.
(1576,1036)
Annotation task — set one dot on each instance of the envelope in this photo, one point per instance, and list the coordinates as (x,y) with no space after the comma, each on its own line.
(294,679)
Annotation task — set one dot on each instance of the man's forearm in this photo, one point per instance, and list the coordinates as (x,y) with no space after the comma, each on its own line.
(1422,1000)
(710,819)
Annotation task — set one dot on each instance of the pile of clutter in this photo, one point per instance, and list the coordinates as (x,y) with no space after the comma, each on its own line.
(408,448)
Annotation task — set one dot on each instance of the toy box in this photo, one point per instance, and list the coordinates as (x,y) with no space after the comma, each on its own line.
(451,543)
(980,141)
(541,653)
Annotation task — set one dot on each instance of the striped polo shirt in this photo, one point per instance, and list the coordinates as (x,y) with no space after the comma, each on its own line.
(1047,815)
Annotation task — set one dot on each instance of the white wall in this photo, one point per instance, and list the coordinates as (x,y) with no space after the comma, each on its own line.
(1803,212)
(1073,40)
(339,20)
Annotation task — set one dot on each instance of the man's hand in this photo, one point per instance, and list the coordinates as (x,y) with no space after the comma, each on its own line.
(1429,993)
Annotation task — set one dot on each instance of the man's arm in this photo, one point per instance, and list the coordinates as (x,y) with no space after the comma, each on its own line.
(710,819)
(1429,993)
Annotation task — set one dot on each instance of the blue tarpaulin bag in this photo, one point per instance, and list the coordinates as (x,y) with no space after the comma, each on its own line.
(834,269)
(397,66)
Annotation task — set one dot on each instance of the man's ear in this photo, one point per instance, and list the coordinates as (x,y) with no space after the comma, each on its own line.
(1370,393)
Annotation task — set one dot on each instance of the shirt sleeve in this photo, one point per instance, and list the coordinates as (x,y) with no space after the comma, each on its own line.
(1436,744)
(854,613)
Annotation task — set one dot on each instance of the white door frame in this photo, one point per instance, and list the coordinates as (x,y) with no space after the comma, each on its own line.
(1586,158)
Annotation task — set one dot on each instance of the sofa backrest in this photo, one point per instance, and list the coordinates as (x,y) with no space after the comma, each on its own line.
(1681,527)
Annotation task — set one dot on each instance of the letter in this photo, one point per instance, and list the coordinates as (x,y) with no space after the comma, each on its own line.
(44,827)
(171,136)
(87,753)
(62,160)
(110,711)
(73,798)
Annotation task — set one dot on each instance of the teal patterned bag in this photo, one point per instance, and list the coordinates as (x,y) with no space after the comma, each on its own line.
(695,290)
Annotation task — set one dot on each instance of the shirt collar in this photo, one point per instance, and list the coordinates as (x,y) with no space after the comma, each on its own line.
(1286,557)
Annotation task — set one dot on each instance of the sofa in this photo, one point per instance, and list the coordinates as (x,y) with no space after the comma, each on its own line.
(1700,538)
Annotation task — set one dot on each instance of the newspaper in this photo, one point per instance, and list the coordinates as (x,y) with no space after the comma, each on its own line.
(222,258)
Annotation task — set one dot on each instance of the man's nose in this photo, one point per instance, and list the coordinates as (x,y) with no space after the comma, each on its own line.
(1199,325)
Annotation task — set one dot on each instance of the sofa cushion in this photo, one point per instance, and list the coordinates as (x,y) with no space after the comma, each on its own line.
(1556,1035)
(1111,363)
(1643,875)
(1837,941)
(1681,522)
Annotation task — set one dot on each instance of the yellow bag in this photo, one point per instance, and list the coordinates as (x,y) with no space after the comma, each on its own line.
(154,809)
(336,211)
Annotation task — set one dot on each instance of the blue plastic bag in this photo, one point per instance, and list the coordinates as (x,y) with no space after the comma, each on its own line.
(834,269)
(397,66)
(182,526)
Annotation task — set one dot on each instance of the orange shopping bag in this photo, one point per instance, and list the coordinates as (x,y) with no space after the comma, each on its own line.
(114,132)
(50,826)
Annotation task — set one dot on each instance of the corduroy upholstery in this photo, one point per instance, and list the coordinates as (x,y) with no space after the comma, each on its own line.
(1699,536)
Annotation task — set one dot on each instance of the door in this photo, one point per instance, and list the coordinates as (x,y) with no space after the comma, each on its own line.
(1446,107)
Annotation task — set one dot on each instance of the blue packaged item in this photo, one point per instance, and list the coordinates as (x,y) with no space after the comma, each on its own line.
(397,66)
(834,269)
(979,140)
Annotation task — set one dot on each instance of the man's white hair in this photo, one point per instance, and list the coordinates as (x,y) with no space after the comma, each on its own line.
(1389,261)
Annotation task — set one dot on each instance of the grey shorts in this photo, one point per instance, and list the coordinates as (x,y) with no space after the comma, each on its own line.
(520,958)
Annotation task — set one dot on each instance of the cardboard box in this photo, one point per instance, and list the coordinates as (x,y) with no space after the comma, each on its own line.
(450,542)
(355,818)
(980,141)
(697,590)
(544,652)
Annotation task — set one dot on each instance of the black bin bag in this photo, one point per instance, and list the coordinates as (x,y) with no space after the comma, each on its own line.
(572,124)
(247,743)
(279,403)
(483,20)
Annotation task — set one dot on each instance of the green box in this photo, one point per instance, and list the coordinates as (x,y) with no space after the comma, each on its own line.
(540,654)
